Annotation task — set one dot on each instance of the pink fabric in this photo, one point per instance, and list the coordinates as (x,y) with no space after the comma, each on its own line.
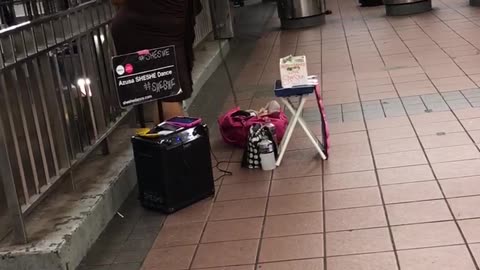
(326,130)
(234,128)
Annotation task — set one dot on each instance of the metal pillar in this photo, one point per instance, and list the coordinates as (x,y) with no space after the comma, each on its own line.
(221,19)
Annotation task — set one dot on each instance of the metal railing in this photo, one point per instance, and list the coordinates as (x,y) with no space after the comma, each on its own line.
(17,11)
(57,101)
(204,28)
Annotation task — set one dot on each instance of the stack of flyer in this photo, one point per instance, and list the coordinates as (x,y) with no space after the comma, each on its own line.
(294,77)
(293,71)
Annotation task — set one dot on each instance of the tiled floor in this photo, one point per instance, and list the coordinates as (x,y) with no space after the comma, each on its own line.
(401,190)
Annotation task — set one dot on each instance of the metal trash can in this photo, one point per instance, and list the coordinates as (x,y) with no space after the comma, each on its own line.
(301,13)
(475,3)
(371,3)
(407,7)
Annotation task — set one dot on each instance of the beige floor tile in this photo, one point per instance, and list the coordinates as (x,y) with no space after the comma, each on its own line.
(313,167)
(371,75)
(358,242)
(453,83)
(476,251)
(409,192)
(297,203)
(310,264)
(293,224)
(291,248)
(443,71)
(360,197)
(458,187)
(400,159)
(198,212)
(425,129)
(392,133)
(296,185)
(471,124)
(337,128)
(475,134)
(376,89)
(233,253)
(350,164)
(465,207)
(356,218)
(439,258)
(174,258)
(453,153)
(238,209)
(243,191)
(349,151)
(405,174)
(375,261)
(469,113)
(397,145)
(350,180)
(377,96)
(470,230)
(301,143)
(244,267)
(179,235)
(410,78)
(457,169)
(418,212)
(436,117)
(349,138)
(412,87)
(426,235)
(231,230)
(388,123)
(241,175)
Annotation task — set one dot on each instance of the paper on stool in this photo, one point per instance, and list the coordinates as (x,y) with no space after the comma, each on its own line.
(293,71)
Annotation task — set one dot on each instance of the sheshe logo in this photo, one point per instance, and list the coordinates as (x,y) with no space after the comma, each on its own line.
(129,68)
(120,70)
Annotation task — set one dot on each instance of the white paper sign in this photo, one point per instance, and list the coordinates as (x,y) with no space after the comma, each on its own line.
(293,71)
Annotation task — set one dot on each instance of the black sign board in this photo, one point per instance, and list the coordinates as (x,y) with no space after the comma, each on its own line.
(146,76)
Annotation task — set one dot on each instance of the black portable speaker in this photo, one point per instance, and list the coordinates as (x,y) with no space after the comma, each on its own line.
(174,171)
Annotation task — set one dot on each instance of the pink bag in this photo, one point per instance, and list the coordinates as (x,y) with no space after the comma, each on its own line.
(235,124)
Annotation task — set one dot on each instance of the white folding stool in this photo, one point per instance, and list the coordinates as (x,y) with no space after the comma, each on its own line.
(297,118)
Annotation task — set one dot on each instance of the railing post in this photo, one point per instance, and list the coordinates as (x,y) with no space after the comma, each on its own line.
(106,146)
(6,174)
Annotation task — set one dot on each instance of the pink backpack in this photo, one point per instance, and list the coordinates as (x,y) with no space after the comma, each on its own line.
(235,125)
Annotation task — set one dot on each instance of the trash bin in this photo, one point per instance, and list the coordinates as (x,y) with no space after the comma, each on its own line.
(371,3)
(301,13)
(475,3)
(407,7)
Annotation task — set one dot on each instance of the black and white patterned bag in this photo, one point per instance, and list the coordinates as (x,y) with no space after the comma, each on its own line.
(251,155)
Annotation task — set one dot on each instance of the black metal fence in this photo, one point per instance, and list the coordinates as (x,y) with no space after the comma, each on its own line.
(13,12)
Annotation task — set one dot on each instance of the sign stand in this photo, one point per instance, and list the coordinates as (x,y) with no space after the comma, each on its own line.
(141,115)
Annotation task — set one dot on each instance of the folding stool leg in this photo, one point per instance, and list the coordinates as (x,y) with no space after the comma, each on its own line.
(309,132)
(290,128)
